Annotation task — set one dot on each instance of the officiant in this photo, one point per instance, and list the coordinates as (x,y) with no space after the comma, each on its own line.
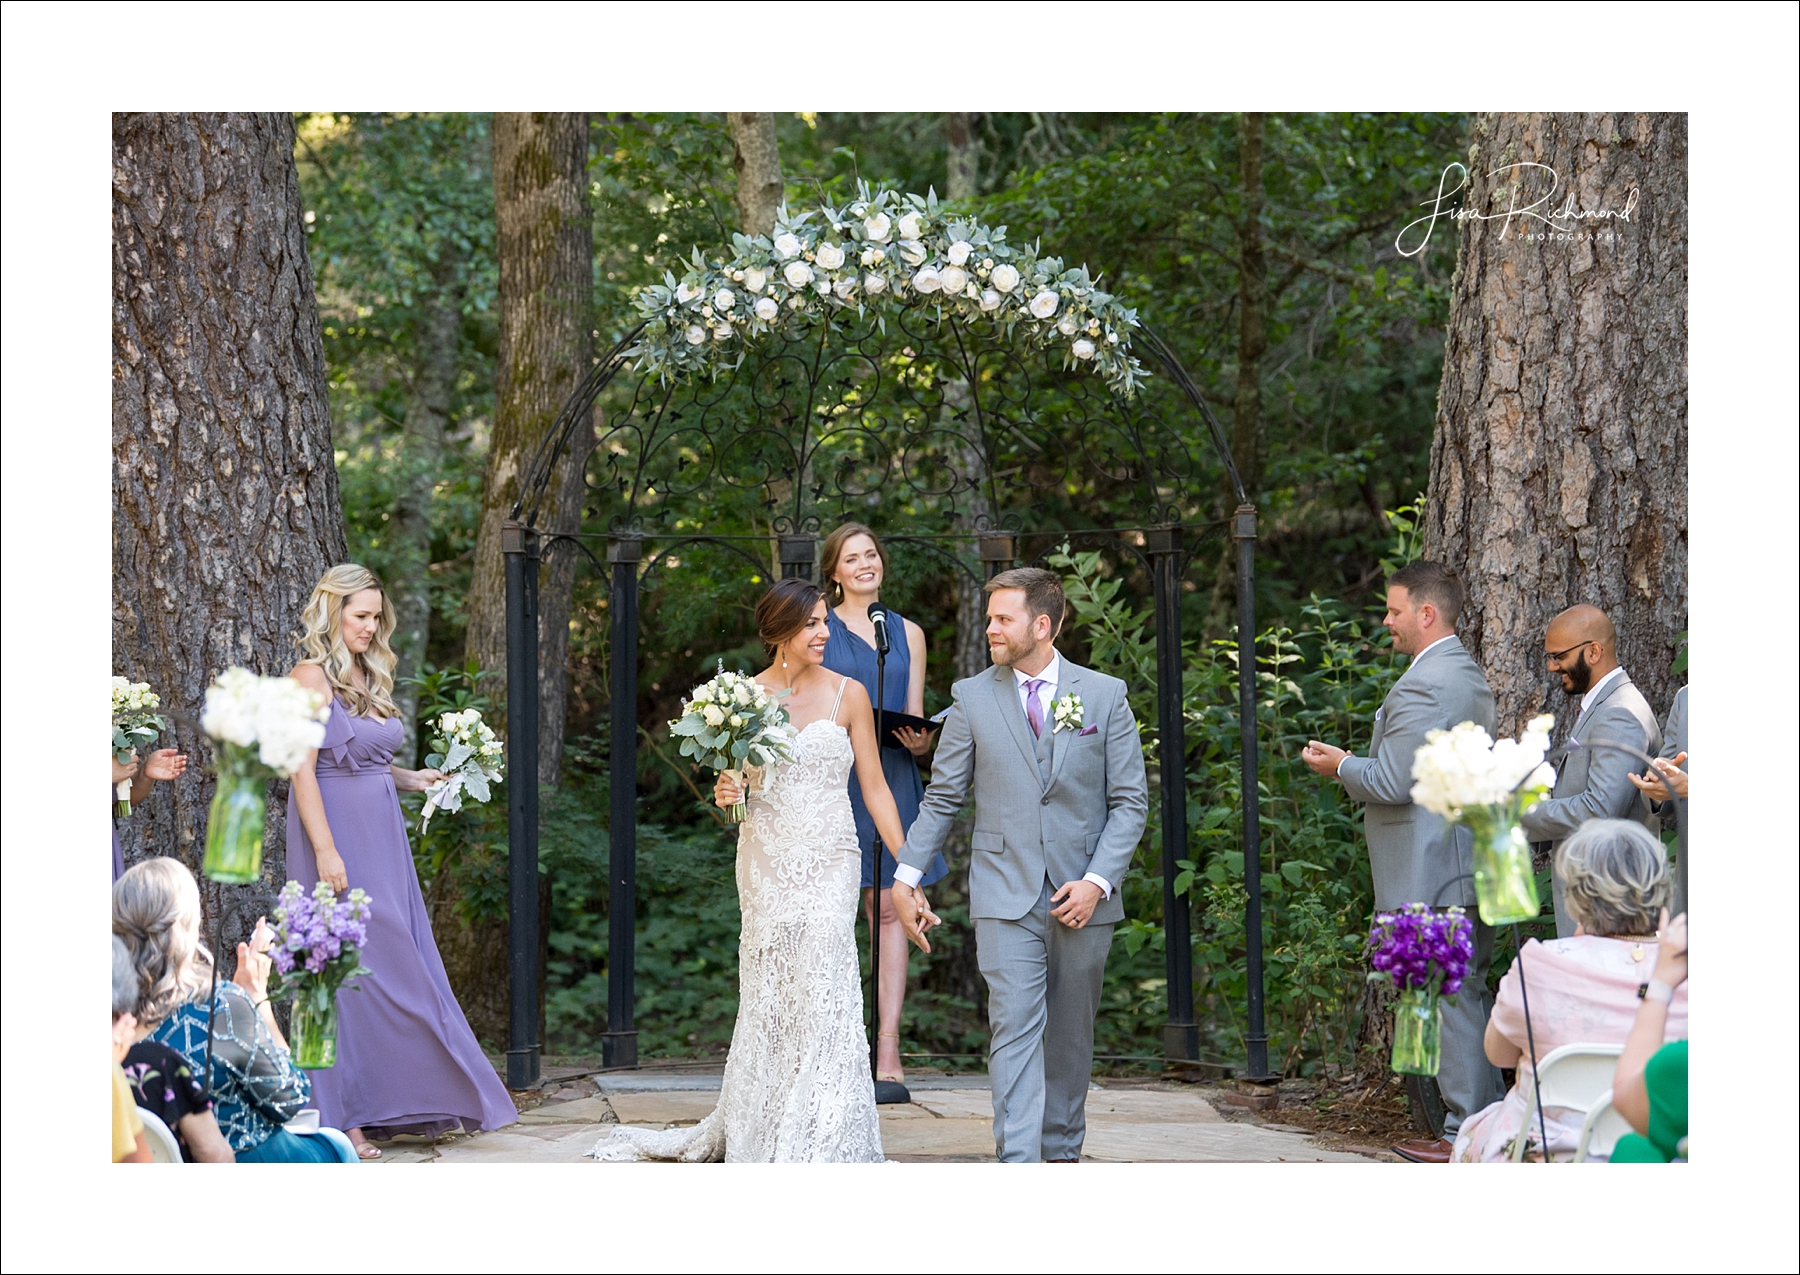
(853,564)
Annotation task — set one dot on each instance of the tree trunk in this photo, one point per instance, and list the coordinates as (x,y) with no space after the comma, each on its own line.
(962,156)
(427,417)
(758,163)
(225,499)
(545,245)
(1253,308)
(1559,464)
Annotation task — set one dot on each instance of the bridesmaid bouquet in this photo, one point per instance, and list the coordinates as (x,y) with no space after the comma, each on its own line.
(731,722)
(135,723)
(466,748)
(318,942)
(1425,954)
(1486,785)
(264,728)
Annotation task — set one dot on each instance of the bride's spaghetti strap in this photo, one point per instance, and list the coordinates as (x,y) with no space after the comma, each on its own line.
(838,702)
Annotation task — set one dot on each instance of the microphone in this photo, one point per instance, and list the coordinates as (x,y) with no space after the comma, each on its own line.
(879,619)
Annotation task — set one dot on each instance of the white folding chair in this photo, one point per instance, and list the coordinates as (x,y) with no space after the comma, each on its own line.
(1602,1129)
(164,1148)
(1572,1077)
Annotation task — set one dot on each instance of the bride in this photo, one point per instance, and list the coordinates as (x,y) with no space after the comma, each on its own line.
(797,1084)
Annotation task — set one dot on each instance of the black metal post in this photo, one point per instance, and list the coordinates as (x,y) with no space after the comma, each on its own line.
(1256,1039)
(618,1044)
(1181,1035)
(798,556)
(518,547)
(886,1091)
(996,552)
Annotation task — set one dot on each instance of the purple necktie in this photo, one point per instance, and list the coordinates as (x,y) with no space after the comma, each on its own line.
(1034,711)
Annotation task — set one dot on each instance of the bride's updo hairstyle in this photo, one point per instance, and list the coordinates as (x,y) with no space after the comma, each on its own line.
(321,641)
(783,611)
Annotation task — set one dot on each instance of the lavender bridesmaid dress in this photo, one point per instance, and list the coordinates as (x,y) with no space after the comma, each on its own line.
(406,1059)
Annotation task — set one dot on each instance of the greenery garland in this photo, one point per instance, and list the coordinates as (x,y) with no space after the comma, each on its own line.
(884,249)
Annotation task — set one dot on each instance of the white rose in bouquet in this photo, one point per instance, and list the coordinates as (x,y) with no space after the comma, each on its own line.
(912,252)
(959,252)
(787,245)
(874,283)
(911,226)
(823,287)
(926,280)
(1005,277)
(1044,304)
(877,227)
(990,300)
(1083,349)
(798,274)
(830,256)
(755,280)
(766,309)
(844,288)
(953,279)
(724,299)
(696,335)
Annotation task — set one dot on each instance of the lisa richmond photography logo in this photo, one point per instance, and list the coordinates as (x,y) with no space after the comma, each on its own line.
(1532,211)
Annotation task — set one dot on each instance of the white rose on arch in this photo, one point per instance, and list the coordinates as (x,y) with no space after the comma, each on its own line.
(990,300)
(911,226)
(798,274)
(874,283)
(685,294)
(1068,326)
(696,335)
(954,279)
(1083,349)
(1005,277)
(877,227)
(1044,304)
(787,245)
(755,280)
(927,280)
(830,256)
(844,288)
(912,252)
(823,287)
(722,332)
(959,252)
(724,299)
(766,309)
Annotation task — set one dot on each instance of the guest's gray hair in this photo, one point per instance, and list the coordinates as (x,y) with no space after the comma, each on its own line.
(125,979)
(1615,877)
(156,911)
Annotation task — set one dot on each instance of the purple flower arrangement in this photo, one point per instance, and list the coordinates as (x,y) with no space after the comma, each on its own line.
(1422,950)
(318,940)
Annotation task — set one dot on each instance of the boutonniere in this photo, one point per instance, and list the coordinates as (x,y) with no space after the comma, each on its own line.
(1067,712)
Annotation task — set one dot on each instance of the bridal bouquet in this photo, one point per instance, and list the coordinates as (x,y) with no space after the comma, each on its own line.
(731,722)
(264,728)
(1426,955)
(317,950)
(135,723)
(467,748)
(1486,785)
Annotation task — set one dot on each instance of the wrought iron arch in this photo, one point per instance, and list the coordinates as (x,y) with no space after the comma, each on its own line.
(991,444)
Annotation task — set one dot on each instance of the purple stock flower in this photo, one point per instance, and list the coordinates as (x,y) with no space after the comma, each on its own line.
(1415,946)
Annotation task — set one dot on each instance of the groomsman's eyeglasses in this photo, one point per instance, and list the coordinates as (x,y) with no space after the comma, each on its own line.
(1555,658)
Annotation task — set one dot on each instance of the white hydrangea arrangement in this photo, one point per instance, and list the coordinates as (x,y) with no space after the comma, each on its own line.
(1461,770)
(135,723)
(732,722)
(468,750)
(884,248)
(270,723)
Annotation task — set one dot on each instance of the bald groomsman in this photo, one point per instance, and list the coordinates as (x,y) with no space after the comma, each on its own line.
(1581,646)
(1414,856)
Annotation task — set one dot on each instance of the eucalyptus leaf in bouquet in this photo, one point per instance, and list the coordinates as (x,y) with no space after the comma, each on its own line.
(471,755)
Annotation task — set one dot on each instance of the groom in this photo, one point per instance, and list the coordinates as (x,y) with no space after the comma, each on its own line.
(1051,753)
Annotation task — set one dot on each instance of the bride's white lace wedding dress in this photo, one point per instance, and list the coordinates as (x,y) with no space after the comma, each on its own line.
(797,1085)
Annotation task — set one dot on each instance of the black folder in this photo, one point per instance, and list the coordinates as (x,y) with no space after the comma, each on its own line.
(892,721)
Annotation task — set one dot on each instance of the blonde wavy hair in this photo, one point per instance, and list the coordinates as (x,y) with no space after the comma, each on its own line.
(321,641)
(156,913)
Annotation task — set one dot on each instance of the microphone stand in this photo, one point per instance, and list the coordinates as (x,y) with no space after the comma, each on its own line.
(886,1091)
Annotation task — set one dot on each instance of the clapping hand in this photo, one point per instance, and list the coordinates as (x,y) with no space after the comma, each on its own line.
(916,916)
(1322,759)
(166,764)
(253,962)
(1671,950)
(1668,774)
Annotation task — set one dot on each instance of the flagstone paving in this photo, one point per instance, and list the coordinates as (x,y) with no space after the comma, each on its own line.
(950,1119)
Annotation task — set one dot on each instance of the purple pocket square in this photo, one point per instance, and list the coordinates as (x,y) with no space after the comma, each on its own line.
(1088,730)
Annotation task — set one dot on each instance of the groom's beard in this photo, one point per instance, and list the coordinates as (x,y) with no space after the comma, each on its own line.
(1008,654)
(1576,680)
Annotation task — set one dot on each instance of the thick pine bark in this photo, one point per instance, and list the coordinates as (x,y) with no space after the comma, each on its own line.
(962,157)
(545,239)
(225,500)
(757,161)
(1559,463)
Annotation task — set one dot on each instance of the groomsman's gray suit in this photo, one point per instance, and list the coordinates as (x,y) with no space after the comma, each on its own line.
(1049,809)
(1674,744)
(1595,783)
(1415,857)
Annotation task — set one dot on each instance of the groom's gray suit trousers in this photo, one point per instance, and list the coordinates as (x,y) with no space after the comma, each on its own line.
(1043,990)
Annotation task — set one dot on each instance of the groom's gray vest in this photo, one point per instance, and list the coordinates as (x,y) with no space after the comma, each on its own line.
(1055,807)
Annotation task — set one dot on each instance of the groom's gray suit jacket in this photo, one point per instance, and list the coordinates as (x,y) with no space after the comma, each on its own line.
(1080,810)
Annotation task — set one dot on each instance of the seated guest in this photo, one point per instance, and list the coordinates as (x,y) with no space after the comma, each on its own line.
(1650,1080)
(161,1081)
(1584,989)
(256,1088)
(129,1144)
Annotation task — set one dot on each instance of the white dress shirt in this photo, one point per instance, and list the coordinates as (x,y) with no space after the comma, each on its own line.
(1587,701)
(1046,694)
(1415,659)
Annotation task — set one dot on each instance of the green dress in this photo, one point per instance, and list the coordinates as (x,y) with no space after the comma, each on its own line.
(1665,1083)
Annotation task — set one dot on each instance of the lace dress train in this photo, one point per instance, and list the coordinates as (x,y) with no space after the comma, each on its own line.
(796,1085)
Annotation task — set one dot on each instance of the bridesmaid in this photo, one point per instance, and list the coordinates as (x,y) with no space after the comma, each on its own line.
(853,565)
(163,764)
(407,1061)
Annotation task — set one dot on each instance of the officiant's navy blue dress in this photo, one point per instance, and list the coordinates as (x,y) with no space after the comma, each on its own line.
(851,656)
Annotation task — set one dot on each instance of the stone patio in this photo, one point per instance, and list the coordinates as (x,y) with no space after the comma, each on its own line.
(949,1120)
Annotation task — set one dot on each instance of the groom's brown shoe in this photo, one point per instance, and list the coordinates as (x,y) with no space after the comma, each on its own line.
(1424,1150)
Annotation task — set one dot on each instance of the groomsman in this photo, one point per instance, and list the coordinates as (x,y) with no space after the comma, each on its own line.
(1414,855)
(1581,646)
